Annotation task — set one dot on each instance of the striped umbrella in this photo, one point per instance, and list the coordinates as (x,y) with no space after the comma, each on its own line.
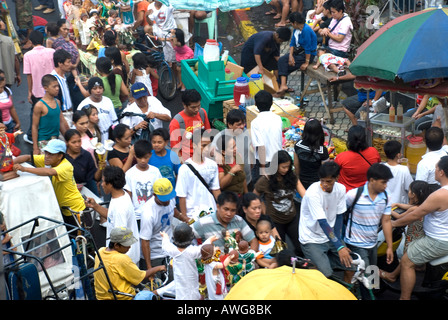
(411,47)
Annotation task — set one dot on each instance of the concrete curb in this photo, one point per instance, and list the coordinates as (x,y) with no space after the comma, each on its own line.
(243,22)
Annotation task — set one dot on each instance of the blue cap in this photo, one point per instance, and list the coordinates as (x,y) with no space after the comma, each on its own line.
(55,146)
(139,90)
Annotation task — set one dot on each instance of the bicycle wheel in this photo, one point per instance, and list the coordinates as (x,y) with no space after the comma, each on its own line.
(167,82)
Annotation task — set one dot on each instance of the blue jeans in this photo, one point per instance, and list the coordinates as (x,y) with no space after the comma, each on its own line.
(421,124)
(338,53)
(324,256)
(368,255)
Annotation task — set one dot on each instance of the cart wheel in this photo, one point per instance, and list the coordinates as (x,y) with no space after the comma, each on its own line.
(167,81)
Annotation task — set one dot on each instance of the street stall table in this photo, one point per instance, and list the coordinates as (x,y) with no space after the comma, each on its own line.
(27,197)
(330,89)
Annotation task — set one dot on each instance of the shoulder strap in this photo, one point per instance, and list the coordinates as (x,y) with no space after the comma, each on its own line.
(364,158)
(192,168)
(334,27)
(358,195)
(181,120)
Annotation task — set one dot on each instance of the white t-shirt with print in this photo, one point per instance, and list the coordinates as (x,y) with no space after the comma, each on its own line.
(190,187)
(140,183)
(163,18)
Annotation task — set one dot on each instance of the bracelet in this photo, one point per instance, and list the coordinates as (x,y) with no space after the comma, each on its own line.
(307,60)
(341,247)
(231,173)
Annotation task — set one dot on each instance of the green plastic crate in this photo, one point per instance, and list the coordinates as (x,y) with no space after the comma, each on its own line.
(210,84)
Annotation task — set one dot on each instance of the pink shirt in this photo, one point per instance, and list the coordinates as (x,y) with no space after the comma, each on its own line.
(184,52)
(38,62)
(345,27)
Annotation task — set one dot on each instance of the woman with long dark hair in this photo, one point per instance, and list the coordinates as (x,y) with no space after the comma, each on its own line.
(355,162)
(278,191)
(310,152)
(114,54)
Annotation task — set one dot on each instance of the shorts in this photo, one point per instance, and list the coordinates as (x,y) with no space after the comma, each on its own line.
(324,256)
(426,249)
(352,104)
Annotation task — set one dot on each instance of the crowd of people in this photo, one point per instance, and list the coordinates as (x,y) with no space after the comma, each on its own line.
(216,203)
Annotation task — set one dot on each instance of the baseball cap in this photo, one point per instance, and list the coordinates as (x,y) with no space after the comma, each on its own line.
(55,146)
(164,189)
(139,90)
(123,236)
(94,82)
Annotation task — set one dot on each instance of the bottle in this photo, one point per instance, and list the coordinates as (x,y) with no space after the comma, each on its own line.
(225,57)
(255,84)
(242,105)
(400,113)
(229,75)
(391,114)
(415,149)
(241,87)
(211,51)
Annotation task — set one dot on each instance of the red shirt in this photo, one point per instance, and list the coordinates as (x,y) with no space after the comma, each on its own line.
(179,140)
(354,168)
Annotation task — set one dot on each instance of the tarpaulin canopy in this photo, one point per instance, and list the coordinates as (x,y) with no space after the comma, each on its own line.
(209,5)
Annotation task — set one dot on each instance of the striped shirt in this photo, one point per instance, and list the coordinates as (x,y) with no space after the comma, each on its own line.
(366,217)
(209,225)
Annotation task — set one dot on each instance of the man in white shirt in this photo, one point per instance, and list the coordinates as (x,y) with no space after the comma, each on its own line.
(266,135)
(321,221)
(192,193)
(146,104)
(106,111)
(158,214)
(426,167)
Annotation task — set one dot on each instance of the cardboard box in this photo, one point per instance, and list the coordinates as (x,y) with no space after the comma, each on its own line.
(236,69)
(226,107)
(283,108)
(269,80)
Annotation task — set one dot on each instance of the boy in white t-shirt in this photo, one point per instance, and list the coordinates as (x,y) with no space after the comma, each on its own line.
(161,18)
(141,177)
(120,212)
(397,187)
(321,220)
(192,193)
